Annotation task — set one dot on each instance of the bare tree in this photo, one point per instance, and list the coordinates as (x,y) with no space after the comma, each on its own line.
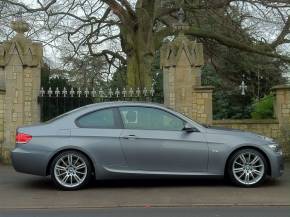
(129,32)
(5,12)
(86,71)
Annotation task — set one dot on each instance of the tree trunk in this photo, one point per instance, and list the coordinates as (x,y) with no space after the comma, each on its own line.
(138,43)
(139,71)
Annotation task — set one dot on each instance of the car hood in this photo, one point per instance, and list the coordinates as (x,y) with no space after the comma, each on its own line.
(243,135)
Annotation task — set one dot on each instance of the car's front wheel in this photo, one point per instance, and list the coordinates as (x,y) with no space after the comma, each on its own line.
(71,170)
(247,167)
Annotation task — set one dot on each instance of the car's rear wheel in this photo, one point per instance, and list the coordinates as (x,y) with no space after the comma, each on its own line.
(71,170)
(247,167)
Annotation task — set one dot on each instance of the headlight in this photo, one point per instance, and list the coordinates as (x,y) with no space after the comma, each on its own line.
(268,139)
(275,147)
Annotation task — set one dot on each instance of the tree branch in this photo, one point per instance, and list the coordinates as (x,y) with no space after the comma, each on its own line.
(105,53)
(117,9)
(281,37)
(127,5)
(164,12)
(229,42)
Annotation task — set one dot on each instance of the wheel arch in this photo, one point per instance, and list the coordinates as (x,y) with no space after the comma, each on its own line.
(269,171)
(68,149)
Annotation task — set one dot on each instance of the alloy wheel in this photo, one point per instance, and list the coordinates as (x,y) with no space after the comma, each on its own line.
(248,168)
(70,170)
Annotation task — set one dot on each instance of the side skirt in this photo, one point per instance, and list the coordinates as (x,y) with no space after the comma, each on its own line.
(161,173)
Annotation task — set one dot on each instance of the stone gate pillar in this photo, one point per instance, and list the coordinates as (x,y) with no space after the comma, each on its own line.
(20,66)
(282,113)
(181,61)
(282,103)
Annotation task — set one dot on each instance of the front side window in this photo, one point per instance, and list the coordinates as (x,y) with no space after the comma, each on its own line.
(147,118)
(99,119)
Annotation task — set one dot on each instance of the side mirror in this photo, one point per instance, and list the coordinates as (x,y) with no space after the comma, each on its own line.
(189,128)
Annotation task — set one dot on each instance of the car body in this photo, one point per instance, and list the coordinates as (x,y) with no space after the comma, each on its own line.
(130,140)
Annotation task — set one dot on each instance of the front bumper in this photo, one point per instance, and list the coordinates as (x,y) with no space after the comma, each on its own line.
(28,161)
(277,165)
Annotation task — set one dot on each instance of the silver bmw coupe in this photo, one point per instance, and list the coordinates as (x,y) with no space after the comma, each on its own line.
(129,140)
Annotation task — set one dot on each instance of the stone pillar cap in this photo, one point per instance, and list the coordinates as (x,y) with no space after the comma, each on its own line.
(20,26)
(204,88)
(281,87)
(181,26)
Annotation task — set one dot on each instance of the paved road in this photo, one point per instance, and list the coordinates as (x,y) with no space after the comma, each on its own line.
(156,212)
(25,191)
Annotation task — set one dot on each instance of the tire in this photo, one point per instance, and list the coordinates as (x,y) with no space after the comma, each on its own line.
(71,170)
(247,168)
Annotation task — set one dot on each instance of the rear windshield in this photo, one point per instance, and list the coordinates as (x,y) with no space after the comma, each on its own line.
(63,115)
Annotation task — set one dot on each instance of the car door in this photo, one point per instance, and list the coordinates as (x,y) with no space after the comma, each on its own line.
(98,132)
(153,140)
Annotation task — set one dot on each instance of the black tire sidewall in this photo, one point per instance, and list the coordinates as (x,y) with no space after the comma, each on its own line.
(87,178)
(230,174)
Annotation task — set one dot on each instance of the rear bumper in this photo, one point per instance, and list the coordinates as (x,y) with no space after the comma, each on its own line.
(27,161)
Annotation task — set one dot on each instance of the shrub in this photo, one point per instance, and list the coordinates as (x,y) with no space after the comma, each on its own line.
(264,108)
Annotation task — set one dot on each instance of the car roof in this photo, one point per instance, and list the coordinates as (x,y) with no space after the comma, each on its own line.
(122,103)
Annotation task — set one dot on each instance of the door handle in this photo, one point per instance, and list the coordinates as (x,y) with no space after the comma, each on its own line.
(130,137)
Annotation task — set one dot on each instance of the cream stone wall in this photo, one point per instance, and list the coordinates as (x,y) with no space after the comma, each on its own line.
(268,128)
(202,104)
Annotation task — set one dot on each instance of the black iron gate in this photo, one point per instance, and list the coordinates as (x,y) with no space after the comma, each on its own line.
(54,102)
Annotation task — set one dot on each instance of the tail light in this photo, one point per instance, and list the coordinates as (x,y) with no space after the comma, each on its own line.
(23,138)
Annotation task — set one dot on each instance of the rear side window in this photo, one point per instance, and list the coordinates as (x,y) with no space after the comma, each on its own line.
(102,119)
